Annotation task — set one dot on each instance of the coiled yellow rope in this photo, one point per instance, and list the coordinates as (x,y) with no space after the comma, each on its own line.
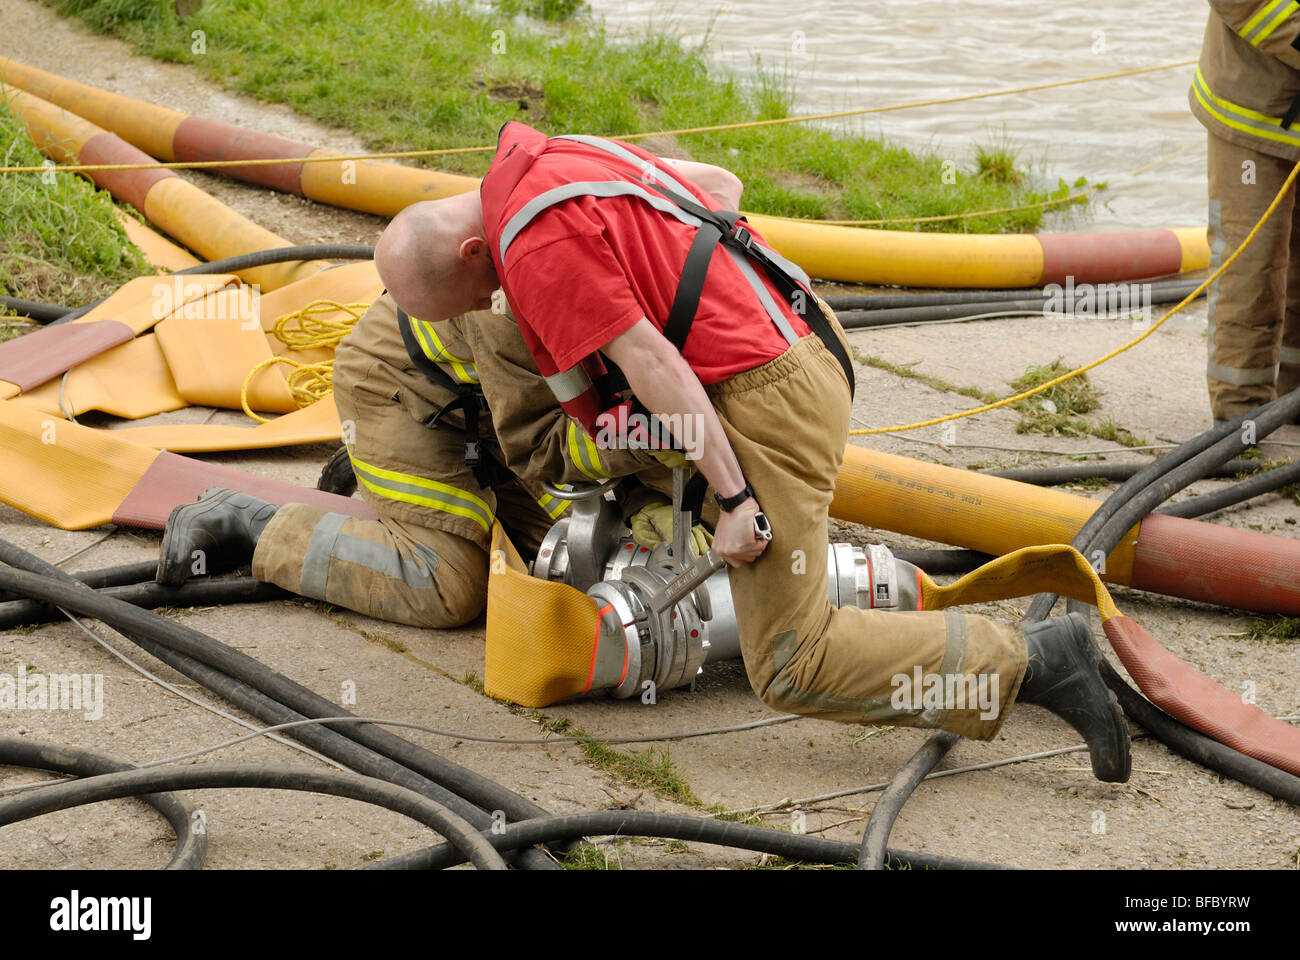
(317,325)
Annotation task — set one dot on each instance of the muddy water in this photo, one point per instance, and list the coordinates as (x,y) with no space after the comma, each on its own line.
(843,54)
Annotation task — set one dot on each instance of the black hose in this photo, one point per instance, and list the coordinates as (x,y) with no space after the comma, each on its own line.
(1052,476)
(1169,289)
(1192,744)
(40,312)
(1107,527)
(191,846)
(886,315)
(258,258)
(151,595)
(562,828)
(875,837)
(270,692)
(1226,434)
(944,561)
(104,577)
(134,783)
(1265,481)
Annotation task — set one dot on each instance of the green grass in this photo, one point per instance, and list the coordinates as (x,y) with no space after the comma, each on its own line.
(1275,629)
(587,857)
(60,239)
(405,74)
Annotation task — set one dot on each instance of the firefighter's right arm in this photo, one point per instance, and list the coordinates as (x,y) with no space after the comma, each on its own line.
(1271,26)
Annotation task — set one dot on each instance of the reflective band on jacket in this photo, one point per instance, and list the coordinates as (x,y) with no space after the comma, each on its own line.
(552,506)
(423,492)
(1259,27)
(570,384)
(585,454)
(433,347)
(1241,118)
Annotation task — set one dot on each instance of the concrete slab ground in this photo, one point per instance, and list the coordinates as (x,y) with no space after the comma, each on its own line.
(1034,814)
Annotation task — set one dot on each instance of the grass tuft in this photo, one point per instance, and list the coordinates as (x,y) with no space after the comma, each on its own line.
(60,236)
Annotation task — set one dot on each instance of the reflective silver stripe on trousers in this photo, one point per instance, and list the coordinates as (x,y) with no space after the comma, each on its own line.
(329,543)
(1238,377)
(954,663)
(1291,356)
(1242,376)
(569,384)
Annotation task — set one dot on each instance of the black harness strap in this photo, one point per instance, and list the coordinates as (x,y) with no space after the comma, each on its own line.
(726,228)
(469,400)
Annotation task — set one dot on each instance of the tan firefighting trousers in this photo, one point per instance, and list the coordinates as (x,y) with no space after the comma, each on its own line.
(424,562)
(1254,308)
(801,654)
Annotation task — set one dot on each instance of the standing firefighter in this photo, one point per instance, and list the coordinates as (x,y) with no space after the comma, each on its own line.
(1247,94)
(630,284)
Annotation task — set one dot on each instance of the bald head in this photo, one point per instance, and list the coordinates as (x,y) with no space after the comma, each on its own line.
(434,259)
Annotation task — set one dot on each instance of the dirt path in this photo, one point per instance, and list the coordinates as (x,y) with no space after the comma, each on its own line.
(1048,813)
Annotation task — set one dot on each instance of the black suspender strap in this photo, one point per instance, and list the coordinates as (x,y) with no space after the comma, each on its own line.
(727,228)
(469,400)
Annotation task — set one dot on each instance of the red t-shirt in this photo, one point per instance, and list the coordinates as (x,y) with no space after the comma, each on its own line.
(587,269)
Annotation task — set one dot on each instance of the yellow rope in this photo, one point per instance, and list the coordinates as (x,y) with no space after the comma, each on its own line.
(1286,186)
(747,124)
(306,329)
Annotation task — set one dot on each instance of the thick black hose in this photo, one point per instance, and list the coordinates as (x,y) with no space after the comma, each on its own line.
(53,585)
(151,595)
(944,561)
(1227,434)
(1107,527)
(258,258)
(1169,289)
(134,783)
(562,828)
(875,838)
(191,846)
(1263,482)
(1052,476)
(40,312)
(1192,744)
(886,315)
(103,577)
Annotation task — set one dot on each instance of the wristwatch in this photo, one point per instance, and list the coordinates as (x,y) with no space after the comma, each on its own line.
(727,504)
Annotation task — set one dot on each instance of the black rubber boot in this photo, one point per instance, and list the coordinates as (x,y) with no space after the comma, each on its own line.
(217,532)
(1064,676)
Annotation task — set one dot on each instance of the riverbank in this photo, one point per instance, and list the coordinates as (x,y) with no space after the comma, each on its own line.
(407,75)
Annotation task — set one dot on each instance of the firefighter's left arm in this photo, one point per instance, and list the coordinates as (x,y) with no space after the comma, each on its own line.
(1271,26)
(539,440)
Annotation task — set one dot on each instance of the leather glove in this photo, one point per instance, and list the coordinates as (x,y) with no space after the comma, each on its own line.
(653,525)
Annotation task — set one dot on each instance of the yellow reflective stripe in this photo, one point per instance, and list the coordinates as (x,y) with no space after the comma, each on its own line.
(1286,11)
(585,454)
(1260,14)
(551,506)
(435,350)
(1242,118)
(408,488)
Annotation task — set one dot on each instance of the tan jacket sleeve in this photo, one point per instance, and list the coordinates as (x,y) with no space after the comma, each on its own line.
(1271,26)
(537,438)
